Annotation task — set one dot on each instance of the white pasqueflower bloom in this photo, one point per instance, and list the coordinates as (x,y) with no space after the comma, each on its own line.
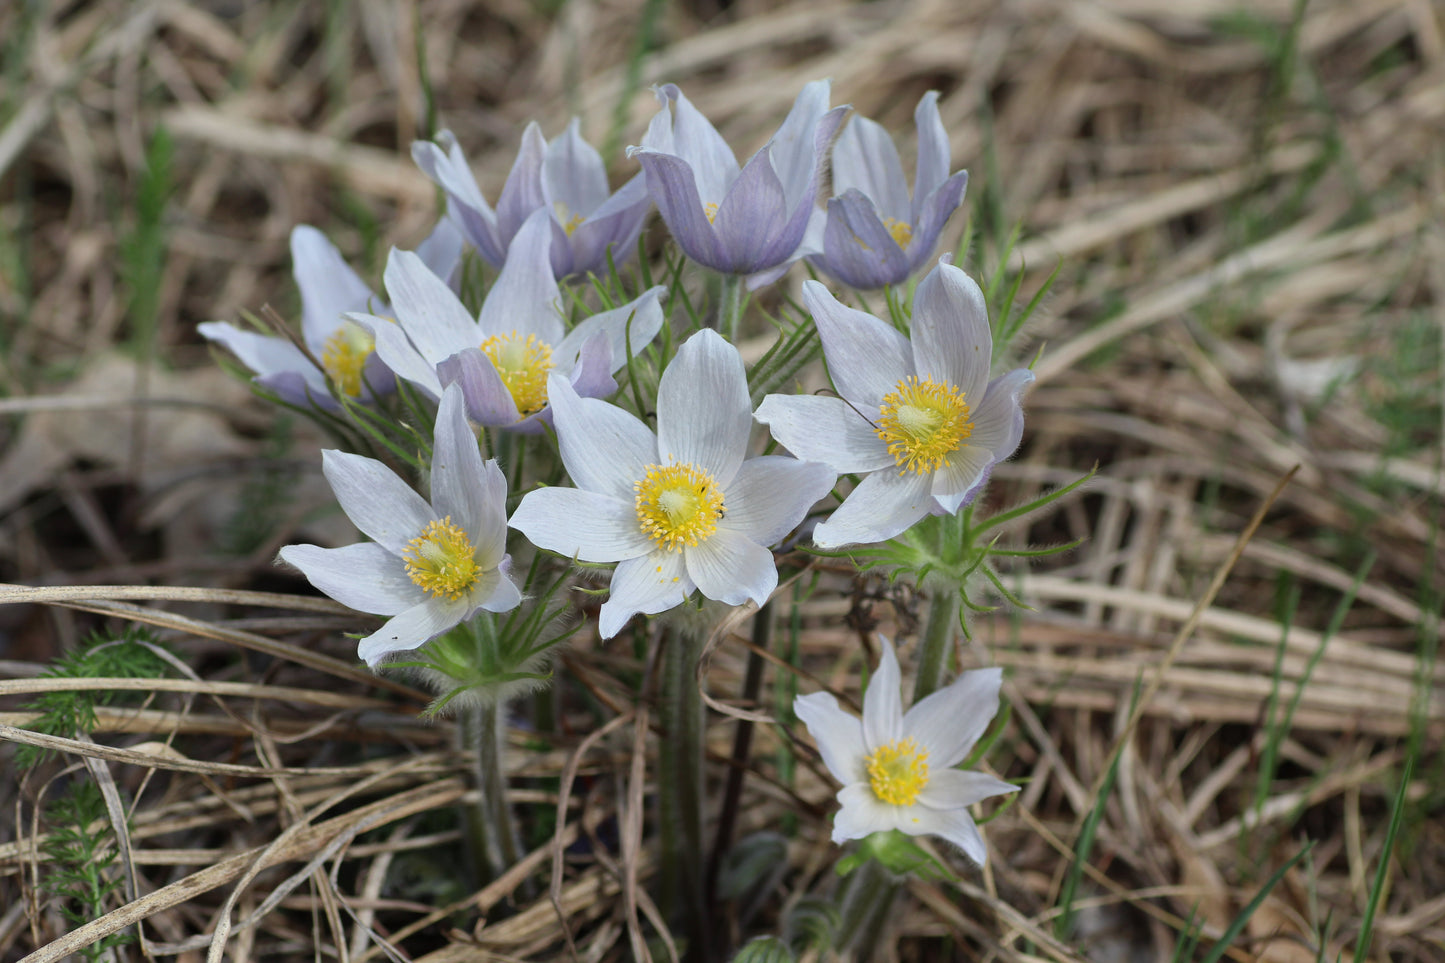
(919,415)
(678,510)
(428,566)
(897,768)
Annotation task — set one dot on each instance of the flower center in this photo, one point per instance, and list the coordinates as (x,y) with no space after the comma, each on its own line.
(678,505)
(898,772)
(523,364)
(569,223)
(711,211)
(923,422)
(441,560)
(344,355)
(902,231)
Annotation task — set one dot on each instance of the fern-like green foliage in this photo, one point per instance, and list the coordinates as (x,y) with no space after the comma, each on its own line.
(130,655)
(80,873)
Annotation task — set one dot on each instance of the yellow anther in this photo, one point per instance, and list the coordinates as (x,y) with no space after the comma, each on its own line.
(344,357)
(568,221)
(710,210)
(678,505)
(902,231)
(897,772)
(923,423)
(442,560)
(523,364)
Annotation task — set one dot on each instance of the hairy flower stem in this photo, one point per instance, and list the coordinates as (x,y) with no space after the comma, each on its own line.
(493,843)
(730,306)
(680,780)
(935,654)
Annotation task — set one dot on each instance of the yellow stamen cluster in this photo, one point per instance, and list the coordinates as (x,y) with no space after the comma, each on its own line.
(902,231)
(923,423)
(569,222)
(710,210)
(442,560)
(678,505)
(897,772)
(344,355)
(523,364)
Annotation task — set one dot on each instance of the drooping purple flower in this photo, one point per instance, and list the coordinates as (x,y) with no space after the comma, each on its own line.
(737,221)
(567,177)
(918,415)
(329,290)
(502,358)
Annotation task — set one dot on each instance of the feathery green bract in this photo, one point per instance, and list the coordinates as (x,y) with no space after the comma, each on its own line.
(80,872)
(132,655)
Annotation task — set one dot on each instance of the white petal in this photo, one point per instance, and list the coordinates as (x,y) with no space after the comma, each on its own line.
(866,357)
(865,158)
(839,735)
(329,287)
(604,449)
(933,152)
(704,414)
(998,423)
(829,430)
(957,482)
(573,172)
(883,505)
(587,525)
(732,568)
(427,310)
(954,825)
(862,814)
(951,339)
(636,322)
(956,788)
(650,584)
(525,297)
(411,629)
(793,154)
(262,353)
(948,722)
(397,352)
(882,703)
(503,595)
(364,576)
(770,495)
(380,504)
(458,486)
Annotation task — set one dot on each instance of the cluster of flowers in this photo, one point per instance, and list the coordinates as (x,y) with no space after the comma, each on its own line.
(686,507)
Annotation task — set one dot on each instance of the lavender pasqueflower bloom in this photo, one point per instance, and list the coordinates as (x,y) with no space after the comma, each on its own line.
(428,566)
(329,289)
(565,176)
(919,416)
(897,768)
(502,359)
(678,510)
(737,221)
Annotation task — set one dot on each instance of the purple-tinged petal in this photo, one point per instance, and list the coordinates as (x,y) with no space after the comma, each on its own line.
(857,249)
(866,357)
(998,421)
(936,209)
(952,342)
(839,735)
(299,388)
(459,486)
(411,629)
(811,245)
(573,173)
(958,482)
(446,166)
(653,583)
(441,250)
(329,287)
(696,141)
(933,153)
(427,310)
(770,495)
(828,430)
(704,415)
(525,298)
(523,192)
(604,449)
(398,353)
(865,160)
(884,505)
(579,524)
(750,221)
(883,702)
(731,568)
(264,354)
(636,322)
(616,224)
(947,723)
(591,375)
(489,403)
(793,150)
(863,814)
(674,190)
(380,504)
(364,576)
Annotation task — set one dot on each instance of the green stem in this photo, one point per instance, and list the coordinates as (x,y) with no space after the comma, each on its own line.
(494,845)
(935,655)
(730,306)
(680,793)
(865,905)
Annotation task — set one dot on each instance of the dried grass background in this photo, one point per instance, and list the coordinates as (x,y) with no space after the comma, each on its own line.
(1246,204)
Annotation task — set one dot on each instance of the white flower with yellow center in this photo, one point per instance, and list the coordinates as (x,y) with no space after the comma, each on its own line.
(898,769)
(344,350)
(919,416)
(678,510)
(427,566)
(503,358)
